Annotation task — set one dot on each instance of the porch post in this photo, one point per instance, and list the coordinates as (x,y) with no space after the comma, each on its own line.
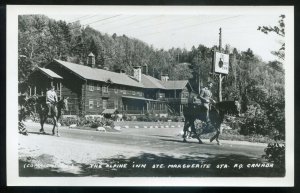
(60,89)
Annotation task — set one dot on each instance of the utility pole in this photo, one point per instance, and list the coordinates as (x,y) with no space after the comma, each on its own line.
(198,76)
(220,75)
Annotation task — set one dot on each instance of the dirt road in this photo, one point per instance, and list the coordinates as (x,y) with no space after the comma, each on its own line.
(135,152)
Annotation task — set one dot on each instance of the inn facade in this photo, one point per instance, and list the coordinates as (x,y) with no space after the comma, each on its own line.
(92,90)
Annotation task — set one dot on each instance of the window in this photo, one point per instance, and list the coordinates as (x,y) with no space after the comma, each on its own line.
(98,103)
(116,90)
(91,86)
(116,103)
(124,90)
(98,87)
(133,92)
(104,89)
(104,103)
(91,104)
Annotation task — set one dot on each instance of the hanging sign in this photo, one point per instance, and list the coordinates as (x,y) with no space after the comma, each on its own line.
(221,63)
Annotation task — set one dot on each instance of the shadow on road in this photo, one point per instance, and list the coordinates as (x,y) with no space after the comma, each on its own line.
(162,165)
(38,133)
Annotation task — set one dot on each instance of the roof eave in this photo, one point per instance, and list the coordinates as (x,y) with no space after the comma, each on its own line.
(68,69)
(48,74)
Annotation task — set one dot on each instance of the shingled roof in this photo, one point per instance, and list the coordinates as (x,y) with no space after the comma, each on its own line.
(175,84)
(97,74)
(151,82)
(49,73)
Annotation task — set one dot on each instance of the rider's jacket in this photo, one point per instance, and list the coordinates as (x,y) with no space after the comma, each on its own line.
(205,95)
(51,97)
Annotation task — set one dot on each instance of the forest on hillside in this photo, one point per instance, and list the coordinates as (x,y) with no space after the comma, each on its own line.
(255,82)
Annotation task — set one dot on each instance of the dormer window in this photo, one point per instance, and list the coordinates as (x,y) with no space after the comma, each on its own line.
(104,89)
(91,86)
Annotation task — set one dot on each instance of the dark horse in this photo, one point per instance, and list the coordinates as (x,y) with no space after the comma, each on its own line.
(217,112)
(56,111)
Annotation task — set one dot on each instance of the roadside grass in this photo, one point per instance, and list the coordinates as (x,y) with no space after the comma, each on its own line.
(140,124)
(227,134)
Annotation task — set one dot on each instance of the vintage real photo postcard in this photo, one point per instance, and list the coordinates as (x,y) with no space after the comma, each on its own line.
(150,96)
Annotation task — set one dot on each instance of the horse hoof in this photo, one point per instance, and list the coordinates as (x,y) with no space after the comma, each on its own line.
(219,143)
(210,140)
(184,140)
(57,135)
(200,142)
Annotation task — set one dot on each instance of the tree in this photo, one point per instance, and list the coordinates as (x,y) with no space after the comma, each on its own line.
(279,30)
(181,71)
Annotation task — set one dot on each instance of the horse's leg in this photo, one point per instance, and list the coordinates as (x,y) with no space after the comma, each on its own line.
(55,126)
(185,129)
(42,121)
(216,136)
(193,130)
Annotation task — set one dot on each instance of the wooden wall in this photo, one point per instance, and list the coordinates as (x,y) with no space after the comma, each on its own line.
(71,87)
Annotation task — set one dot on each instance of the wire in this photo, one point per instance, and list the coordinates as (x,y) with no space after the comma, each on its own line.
(138,21)
(114,21)
(85,18)
(77,27)
(103,19)
(189,26)
(71,20)
(160,23)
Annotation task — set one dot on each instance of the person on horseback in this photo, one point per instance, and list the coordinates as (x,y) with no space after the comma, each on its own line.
(206,99)
(51,99)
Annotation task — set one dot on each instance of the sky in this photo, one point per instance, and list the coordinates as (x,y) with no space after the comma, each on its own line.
(187,30)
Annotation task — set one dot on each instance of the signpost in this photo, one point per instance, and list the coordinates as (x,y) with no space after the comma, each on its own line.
(220,65)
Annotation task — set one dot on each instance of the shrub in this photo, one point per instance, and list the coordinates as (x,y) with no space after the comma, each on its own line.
(275,153)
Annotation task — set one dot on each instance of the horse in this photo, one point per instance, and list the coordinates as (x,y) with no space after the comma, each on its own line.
(56,112)
(217,113)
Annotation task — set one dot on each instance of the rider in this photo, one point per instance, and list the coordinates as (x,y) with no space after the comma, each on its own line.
(51,98)
(206,99)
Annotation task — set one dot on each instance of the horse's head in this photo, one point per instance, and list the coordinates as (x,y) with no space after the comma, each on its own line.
(63,104)
(229,107)
(237,108)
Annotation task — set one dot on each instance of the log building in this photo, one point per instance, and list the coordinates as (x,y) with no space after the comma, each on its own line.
(92,90)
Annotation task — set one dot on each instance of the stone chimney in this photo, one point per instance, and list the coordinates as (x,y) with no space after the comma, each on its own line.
(164,77)
(137,73)
(91,60)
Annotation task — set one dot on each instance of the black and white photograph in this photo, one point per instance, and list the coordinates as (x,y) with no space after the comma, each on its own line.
(155,96)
